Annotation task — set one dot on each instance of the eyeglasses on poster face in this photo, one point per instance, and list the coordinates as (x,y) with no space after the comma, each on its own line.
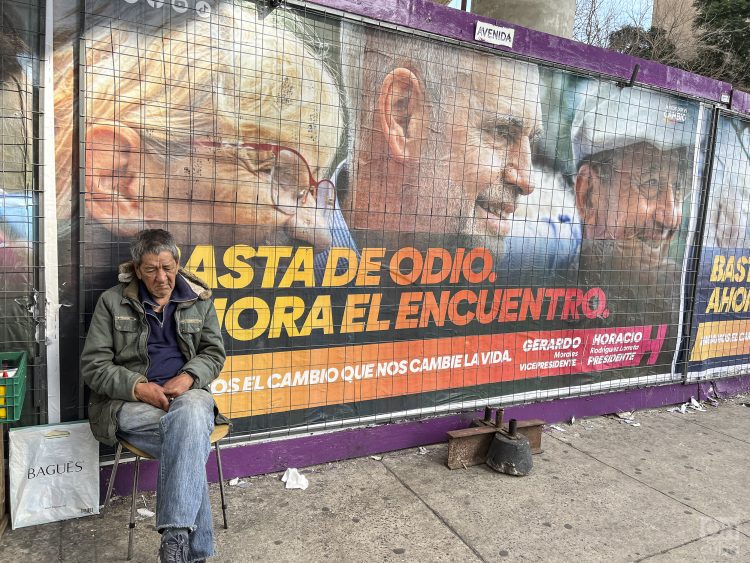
(654,186)
(290,179)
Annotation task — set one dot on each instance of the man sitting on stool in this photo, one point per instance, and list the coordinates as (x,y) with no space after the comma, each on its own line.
(152,350)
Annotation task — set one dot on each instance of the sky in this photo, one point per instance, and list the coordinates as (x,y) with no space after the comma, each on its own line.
(630,10)
(457,4)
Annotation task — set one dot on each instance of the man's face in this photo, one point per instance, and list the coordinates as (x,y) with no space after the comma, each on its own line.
(158,273)
(488,136)
(642,199)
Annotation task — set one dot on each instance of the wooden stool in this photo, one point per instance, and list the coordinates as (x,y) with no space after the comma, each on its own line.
(218,434)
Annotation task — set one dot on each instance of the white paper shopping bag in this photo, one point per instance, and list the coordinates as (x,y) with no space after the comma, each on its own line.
(54,473)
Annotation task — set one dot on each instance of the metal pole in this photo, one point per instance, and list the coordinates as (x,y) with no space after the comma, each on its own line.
(49,221)
(112,477)
(131,526)
(221,485)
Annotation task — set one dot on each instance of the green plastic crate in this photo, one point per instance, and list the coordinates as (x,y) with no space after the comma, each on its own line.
(12,389)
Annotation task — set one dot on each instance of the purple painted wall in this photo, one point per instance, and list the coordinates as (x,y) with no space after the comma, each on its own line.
(741,101)
(434,18)
(269,457)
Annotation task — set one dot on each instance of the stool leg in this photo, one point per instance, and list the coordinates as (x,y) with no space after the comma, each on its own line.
(132,507)
(112,477)
(221,485)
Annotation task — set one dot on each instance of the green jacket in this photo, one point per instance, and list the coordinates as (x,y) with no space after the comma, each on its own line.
(115,356)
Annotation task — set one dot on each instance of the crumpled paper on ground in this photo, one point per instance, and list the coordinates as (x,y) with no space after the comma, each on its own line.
(294,479)
(237,482)
(693,405)
(627,418)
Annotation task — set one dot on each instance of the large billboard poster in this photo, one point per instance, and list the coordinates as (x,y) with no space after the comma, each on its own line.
(390,224)
(19,187)
(720,346)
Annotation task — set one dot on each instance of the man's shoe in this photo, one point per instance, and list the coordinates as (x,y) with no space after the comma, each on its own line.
(174,548)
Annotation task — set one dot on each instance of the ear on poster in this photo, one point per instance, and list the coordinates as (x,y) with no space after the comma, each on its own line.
(588,198)
(401,114)
(113,170)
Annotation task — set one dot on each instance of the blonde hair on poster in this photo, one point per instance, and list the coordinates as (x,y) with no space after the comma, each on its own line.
(233,76)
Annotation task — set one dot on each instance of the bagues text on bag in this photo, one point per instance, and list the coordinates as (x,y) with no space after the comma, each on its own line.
(54,473)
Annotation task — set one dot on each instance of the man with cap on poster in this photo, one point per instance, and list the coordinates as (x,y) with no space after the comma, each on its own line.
(632,152)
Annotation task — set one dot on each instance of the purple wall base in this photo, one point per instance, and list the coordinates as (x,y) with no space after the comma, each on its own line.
(427,16)
(269,457)
(741,101)
(731,386)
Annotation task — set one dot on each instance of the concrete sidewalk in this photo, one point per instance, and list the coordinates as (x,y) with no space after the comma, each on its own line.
(675,488)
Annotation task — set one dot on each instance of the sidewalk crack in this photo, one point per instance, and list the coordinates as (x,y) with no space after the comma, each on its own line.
(716,533)
(620,471)
(436,514)
(703,425)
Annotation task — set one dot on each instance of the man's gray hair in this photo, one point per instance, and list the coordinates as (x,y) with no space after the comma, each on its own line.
(153,241)
(369,54)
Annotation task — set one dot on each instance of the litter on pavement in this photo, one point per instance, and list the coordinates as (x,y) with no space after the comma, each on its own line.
(237,482)
(696,405)
(627,418)
(294,479)
(685,408)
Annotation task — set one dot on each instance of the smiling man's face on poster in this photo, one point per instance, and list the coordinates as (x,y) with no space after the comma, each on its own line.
(442,152)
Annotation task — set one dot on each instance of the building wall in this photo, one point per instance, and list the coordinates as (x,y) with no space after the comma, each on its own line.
(676,17)
(555,18)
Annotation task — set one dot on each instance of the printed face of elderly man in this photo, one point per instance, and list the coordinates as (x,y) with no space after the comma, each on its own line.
(229,140)
(444,147)
(633,195)
(632,149)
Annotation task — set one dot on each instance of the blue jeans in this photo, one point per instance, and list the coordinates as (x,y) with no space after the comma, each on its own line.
(179,439)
